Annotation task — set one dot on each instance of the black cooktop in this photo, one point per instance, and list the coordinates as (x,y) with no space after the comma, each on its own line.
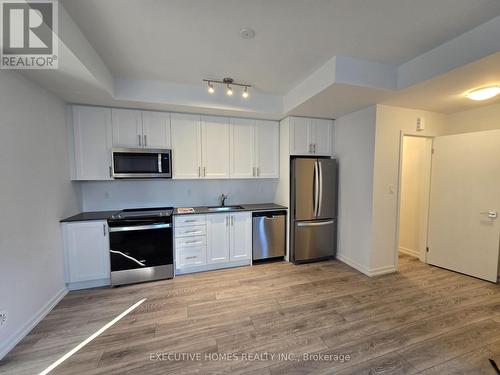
(149,214)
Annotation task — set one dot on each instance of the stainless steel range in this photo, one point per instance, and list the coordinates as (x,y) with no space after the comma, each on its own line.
(141,245)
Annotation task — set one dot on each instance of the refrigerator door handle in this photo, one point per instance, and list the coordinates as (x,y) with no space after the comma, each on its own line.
(315,224)
(315,189)
(320,188)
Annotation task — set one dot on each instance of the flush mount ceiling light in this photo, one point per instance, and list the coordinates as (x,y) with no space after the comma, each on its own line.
(229,83)
(484,93)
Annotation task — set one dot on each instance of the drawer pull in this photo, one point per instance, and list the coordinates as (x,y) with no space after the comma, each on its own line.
(193,242)
(192,257)
(194,231)
(190,221)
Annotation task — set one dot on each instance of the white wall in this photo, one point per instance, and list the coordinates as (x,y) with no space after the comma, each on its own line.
(482,118)
(414,195)
(35,193)
(102,195)
(391,121)
(354,146)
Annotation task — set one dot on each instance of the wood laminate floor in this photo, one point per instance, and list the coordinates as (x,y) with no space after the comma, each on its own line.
(422,320)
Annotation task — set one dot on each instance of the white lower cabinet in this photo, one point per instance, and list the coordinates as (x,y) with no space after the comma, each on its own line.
(86,248)
(213,241)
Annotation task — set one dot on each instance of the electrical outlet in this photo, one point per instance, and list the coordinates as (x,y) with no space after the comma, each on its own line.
(3,318)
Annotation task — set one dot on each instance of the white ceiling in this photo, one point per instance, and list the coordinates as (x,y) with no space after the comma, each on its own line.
(184,41)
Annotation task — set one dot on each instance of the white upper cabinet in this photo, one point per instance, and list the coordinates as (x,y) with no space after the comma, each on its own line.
(267,149)
(156,129)
(215,146)
(240,236)
(242,159)
(321,136)
(127,128)
(300,140)
(186,145)
(218,238)
(92,143)
(310,136)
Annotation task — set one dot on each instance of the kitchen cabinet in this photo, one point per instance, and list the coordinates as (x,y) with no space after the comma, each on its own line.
(186,146)
(127,128)
(240,236)
(143,129)
(310,136)
(215,147)
(212,241)
(254,146)
(156,130)
(242,146)
(218,231)
(91,143)
(267,149)
(86,248)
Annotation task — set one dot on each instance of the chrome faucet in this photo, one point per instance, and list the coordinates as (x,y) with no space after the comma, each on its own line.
(222,199)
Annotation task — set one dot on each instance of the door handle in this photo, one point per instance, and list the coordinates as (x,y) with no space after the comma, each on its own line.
(145,140)
(140,139)
(315,224)
(491,214)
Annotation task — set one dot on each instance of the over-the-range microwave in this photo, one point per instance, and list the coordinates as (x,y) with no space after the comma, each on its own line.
(141,163)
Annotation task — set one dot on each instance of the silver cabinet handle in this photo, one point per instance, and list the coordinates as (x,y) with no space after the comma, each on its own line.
(227,221)
(110,171)
(253,171)
(199,171)
(192,242)
(104,229)
(204,171)
(258,171)
(145,140)
(190,221)
(314,147)
(193,232)
(232,221)
(191,257)
(140,139)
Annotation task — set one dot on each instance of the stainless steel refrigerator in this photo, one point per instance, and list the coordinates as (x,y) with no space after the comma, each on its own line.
(313,209)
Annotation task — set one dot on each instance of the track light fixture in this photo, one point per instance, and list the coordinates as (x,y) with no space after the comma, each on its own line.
(229,83)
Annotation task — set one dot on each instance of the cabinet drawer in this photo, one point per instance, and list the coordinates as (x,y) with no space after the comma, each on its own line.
(191,257)
(188,220)
(198,230)
(190,241)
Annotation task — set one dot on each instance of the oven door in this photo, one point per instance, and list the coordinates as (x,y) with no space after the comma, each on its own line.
(141,246)
(141,163)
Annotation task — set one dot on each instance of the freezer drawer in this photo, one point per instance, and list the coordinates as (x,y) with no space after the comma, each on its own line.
(269,231)
(313,240)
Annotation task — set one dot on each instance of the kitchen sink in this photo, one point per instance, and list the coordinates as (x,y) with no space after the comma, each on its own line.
(225,208)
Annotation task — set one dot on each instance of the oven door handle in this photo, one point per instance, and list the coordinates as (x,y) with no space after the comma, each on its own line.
(128,257)
(139,227)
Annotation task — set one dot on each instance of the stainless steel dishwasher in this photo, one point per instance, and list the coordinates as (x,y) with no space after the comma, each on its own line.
(269,231)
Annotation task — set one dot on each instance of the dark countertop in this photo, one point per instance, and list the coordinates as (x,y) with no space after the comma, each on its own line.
(88,216)
(246,207)
(104,215)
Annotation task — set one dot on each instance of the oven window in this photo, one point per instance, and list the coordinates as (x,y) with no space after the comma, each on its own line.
(141,248)
(134,162)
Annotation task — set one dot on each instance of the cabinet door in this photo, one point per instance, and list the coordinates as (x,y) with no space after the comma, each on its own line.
(218,238)
(186,145)
(87,251)
(267,148)
(215,146)
(241,236)
(156,129)
(92,143)
(127,128)
(242,160)
(321,134)
(300,136)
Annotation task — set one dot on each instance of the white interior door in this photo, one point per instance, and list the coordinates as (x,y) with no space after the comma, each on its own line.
(465,188)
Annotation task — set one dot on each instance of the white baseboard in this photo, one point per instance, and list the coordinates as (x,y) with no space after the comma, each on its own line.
(367,271)
(12,341)
(413,253)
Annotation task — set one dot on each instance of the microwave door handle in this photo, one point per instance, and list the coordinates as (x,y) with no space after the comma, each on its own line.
(159,164)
